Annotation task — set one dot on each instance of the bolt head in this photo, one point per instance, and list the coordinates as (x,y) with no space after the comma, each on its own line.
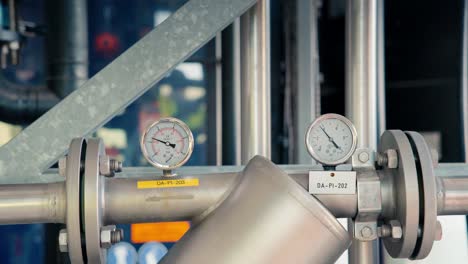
(392,159)
(63,240)
(106,236)
(104,166)
(363,157)
(366,232)
(397,231)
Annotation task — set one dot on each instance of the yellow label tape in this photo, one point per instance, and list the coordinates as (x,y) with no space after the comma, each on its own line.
(168,183)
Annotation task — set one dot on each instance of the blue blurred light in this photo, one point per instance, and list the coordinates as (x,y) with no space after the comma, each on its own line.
(151,253)
(122,253)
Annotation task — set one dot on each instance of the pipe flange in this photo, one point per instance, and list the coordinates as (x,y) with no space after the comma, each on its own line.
(405,183)
(428,200)
(92,203)
(73,217)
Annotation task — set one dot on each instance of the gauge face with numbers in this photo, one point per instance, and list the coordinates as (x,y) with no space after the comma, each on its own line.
(331,139)
(167,144)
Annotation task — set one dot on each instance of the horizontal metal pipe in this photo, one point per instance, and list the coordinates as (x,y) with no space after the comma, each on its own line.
(32,203)
(126,203)
(452,195)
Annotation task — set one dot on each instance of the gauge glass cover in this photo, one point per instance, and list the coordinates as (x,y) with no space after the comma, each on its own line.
(167,144)
(331,139)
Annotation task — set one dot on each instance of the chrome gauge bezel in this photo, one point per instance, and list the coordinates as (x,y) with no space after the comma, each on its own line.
(318,121)
(189,149)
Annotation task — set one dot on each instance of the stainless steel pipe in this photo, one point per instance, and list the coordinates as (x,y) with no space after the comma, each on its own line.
(32,203)
(125,203)
(452,195)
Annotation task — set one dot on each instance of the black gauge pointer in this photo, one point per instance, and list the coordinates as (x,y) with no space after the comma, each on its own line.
(330,138)
(165,143)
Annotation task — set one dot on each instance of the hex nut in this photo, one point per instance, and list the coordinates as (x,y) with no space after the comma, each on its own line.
(106,236)
(104,166)
(392,159)
(62,165)
(397,231)
(63,240)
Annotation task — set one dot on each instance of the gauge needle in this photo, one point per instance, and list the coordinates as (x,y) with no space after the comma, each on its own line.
(165,142)
(330,138)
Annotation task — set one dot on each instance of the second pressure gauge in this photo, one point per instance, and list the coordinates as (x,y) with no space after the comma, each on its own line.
(331,139)
(167,144)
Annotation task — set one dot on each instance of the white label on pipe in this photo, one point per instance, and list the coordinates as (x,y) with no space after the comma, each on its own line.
(332,182)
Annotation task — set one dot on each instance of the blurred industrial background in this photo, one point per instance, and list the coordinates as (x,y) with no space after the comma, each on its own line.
(50,47)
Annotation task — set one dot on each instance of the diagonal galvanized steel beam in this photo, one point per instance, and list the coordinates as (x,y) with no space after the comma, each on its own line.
(115,87)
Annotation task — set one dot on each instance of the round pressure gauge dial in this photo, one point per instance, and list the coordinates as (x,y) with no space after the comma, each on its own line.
(331,139)
(167,144)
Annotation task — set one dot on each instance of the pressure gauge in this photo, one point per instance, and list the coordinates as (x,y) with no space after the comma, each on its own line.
(167,144)
(331,139)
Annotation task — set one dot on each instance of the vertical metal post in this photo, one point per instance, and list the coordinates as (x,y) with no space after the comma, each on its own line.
(361,94)
(381,94)
(255,81)
(308,83)
(219,100)
(464,80)
(231,106)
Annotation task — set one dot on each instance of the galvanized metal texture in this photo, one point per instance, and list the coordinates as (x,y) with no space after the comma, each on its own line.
(267,218)
(115,87)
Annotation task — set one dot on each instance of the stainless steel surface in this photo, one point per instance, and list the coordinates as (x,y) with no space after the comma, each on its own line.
(381,91)
(93,201)
(255,82)
(73,185)
(452,195)
(308,72)
(361,69)
(361,91)
(124,203)
(253,223)
(426,181)
(369,205)
(405,182)
(67,45)
(32,203)
(108,93)
(219,100)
